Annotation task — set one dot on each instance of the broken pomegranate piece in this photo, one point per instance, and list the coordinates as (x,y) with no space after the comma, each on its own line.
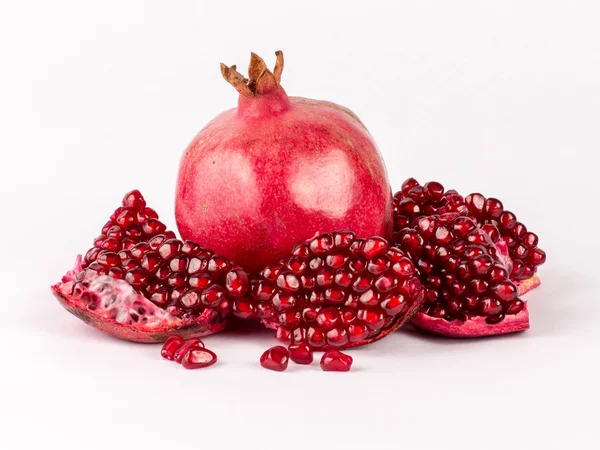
(139,283)
(468,291)
(521,245)
(336,291)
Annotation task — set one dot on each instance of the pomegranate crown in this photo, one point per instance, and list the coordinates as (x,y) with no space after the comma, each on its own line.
(261,79)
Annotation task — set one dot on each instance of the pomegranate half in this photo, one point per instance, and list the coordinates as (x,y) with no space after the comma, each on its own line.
(277,170)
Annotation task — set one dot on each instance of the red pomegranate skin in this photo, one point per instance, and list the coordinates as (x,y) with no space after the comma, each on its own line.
(277,170)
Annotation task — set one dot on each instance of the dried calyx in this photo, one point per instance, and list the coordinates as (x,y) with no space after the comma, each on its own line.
(260,79)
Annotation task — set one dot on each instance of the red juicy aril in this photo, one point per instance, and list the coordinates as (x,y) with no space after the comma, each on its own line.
(468,291)
(276,358)
(276,170)
(509,235)
(139,283)
(334,361)
(335,291)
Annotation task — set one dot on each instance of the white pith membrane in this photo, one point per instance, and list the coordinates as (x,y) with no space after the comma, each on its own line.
(113,299)
(113,306)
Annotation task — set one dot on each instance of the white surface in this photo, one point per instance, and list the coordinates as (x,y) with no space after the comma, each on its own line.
(97,98)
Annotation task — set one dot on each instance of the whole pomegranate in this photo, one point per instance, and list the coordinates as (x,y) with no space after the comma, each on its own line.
(277,170)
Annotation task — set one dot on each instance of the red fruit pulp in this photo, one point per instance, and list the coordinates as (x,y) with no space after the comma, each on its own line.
(276,170)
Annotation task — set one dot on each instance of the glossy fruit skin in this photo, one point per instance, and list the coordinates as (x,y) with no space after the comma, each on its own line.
(276,170)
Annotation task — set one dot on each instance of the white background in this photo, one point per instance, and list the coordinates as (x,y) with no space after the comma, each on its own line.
(97,98)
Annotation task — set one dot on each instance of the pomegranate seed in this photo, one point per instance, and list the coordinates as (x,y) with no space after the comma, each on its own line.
(139,250)
(145,214)
(336,361)
(134,200)
(181,351)
(301,353)
(116,272)
(432,190)
(150,261)
(108,259)
(213,295)
(218,264)
(111,244)
(198,358)
(200,281)
(190,248)
(197,265)
(169,249)
(172,344)
(506,291)
(115,232)
(276,358)
(137,277)
(374,246)
(243,309)
(408,185)
(236,282)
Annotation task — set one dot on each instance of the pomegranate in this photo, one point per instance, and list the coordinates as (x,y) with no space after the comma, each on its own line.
(141,284)
(468,291)
(276,358)
(277,170)
(335,291)
(414,200)
(336,361)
